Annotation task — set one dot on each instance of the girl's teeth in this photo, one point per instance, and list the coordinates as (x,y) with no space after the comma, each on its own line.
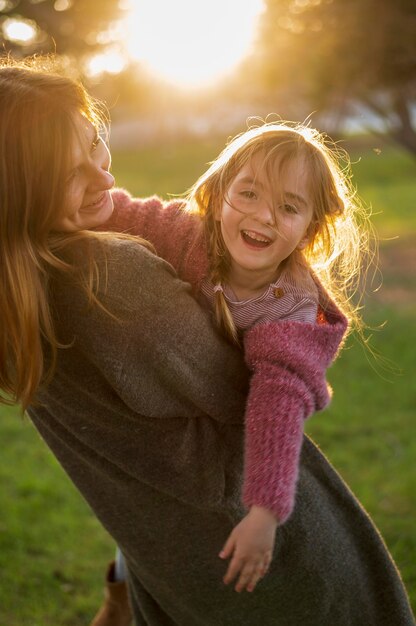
(256,236)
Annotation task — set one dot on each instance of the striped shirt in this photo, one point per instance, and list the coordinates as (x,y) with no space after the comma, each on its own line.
(282,300)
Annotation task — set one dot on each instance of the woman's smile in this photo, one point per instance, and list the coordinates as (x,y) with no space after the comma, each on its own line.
(97,205)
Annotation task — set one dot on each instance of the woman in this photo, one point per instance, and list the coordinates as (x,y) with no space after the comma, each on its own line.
(142,401)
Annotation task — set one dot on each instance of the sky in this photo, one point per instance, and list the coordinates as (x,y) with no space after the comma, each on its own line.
(191,42)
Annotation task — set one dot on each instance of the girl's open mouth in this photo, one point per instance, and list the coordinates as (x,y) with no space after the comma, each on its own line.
(255,239)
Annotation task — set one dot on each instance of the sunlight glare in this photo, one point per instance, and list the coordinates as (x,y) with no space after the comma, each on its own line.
(111,62)
(191,43)
(19,31)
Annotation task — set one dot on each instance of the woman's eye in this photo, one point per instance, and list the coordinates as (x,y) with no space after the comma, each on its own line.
(72,176)
(95,143)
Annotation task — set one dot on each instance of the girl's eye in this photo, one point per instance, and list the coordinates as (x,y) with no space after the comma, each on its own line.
(249,194)
(289,208)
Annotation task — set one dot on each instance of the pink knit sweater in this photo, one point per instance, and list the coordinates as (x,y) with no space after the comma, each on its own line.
(288,359)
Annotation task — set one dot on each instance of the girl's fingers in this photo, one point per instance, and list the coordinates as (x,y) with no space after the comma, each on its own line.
(258,574)
(228,548)
(233,569)
(250,571)
(265,567)
(245,577)
(254,580)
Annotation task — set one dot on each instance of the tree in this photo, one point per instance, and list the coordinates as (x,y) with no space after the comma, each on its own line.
(72,27)
(338,53)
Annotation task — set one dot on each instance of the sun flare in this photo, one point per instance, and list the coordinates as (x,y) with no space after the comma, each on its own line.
(191,43)
(19,31)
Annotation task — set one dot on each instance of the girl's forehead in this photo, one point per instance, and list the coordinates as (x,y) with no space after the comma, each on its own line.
(281,177)
(274,168)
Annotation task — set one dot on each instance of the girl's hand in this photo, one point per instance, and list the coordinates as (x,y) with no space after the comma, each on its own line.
(251,546)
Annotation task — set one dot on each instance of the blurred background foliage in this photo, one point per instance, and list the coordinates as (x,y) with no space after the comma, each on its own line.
(346,65)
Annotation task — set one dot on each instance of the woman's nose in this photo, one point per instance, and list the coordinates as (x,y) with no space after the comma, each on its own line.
(100,176)
(108,179)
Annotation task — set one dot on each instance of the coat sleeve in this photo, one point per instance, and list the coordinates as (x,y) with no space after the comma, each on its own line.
(288,361)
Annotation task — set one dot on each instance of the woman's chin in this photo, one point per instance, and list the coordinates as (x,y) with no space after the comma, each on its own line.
(102,215)
(107,210)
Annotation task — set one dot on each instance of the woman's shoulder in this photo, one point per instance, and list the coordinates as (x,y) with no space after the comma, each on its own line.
(112,260)
(126,255)
(125,276)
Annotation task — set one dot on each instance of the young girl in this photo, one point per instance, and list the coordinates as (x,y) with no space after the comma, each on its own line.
(269,240)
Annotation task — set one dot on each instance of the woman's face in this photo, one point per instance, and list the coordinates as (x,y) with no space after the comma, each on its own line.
(88,200)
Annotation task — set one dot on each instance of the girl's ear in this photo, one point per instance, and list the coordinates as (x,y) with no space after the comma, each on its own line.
(303,242)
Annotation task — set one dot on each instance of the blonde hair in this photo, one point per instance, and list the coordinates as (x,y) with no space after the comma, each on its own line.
(37,124)
(339,234)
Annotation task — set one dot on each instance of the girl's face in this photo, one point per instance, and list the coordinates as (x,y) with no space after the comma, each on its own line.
(88,183)
(262,225)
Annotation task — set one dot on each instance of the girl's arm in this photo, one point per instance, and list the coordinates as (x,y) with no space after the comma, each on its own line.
(150,218)
(288,361)
(175,233)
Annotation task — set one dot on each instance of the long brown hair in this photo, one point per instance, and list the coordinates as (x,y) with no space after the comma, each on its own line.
(37,111)
(340,231)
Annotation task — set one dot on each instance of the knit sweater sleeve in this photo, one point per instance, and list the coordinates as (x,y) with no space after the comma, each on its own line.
(288,361)
(175,233)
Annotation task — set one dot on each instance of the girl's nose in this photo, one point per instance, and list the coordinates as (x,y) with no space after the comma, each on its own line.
(266,214)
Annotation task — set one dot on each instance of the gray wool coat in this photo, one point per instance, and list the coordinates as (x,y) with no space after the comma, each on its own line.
(145,415)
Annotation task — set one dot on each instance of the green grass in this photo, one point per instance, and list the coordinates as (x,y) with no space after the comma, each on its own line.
(386,182)
(52,550)
(165,169)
